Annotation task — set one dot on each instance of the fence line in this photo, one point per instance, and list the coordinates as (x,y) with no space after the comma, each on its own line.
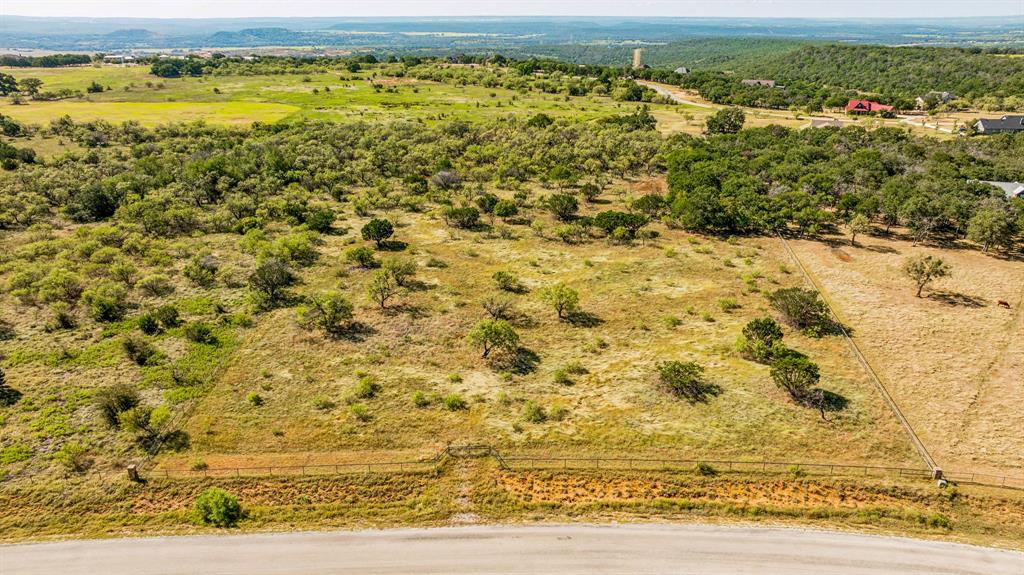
(914,439)
(523,462)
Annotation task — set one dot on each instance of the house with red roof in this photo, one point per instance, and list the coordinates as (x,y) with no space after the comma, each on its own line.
(866,107)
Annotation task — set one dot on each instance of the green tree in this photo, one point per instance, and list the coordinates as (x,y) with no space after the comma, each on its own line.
(114,400)
(684,379)
(990,226)
(726,121)
(494,334)
(30,85)
(924,269)
(402,269)
(269,282)
(859,224)
(217,508)
(506,209)
(796,375)
(564,299)
(563,206)
(382,288)
(801,308)
(378,231)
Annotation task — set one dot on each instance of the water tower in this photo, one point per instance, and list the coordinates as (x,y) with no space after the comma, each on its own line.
(637,53)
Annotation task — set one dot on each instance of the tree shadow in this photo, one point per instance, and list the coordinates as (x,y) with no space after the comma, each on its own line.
(583,319)
(522,361)
(417,285)
(177,440)
(521,320)
(413,311)
(703,392)
(824,401)
(9,396)
(392,246)
(356,331)
(957,299)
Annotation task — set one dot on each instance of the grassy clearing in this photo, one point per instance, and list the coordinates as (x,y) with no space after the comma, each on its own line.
(953,359)
(648,303)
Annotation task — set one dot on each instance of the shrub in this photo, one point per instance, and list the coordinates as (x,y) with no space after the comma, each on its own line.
(139,349)
(366,388)
(254,398)
(382,288)
(148,324)
(534,413)
(561,377)
(323,403)
(563,206)
(156,285)
(362,256)
(705,469)
(498,307)
(760,339)
(801,308)
(685,379)
(465,218)
(106,302)
(360,412)
(63,318)
(420,399)
(114,400)
(200,332)
(377,230)
(217,508)
(74,457)
(167,315)
(558,413)
(728,305)
(507,281)
(506,209)
(269,282)
(202,271)
(454,402)
(330,311)
(401,269)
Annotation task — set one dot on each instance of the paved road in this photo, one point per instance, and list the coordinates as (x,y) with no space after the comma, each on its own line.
(533,550)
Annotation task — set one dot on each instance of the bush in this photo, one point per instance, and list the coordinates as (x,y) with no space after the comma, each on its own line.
(401,269)
(114,400)
(802,309)
(685,379)
(562,298)
(563,206)
(269,282)
(139,349)
(323,403)
(167,315)
(362,256)
(728,305)
(156,285)
(106,303)
(148,324)
(74,457)
(534,413)
(796,375)
(254,399)
(760,339)
(706,470)
(465,218)
(330,311)
(366,388)
(200,332)
(493,334)
(507,281)
(454,402)
(420,400)
(360,412)
(218,508)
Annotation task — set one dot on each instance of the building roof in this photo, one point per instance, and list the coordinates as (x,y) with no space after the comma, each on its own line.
(866,106)
(682,70)
(1011,189)
(1004,124)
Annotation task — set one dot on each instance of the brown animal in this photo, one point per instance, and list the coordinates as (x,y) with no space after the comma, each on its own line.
(1005,304)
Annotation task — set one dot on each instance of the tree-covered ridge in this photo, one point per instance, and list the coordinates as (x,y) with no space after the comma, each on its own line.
(767,180)
(980,77)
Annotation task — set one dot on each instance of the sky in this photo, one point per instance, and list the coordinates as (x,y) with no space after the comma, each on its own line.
(691,8)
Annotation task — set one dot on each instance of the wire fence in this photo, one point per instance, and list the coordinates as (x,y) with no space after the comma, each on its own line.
(787,469)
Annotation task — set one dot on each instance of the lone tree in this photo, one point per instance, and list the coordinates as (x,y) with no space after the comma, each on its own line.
(382,288)
(330,311)
(8,395)
(796,375)
(30,85)
(269,282)
(801,308)
(494,334)
(563,298)
(859,224)
(685,379)
(924,269)
(378,230)
(761,338)
(726,121)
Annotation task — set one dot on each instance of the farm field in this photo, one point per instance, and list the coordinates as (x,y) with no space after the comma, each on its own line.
(952,359)
(135,94)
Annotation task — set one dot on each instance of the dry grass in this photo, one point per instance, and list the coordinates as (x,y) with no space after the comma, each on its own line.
(953,359)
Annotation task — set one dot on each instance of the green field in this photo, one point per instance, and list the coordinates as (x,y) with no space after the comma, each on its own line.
(135,94)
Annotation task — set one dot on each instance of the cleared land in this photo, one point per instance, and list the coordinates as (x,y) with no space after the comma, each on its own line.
(953,359)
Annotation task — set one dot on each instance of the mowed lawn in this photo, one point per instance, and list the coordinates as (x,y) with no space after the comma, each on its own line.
(134,94)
